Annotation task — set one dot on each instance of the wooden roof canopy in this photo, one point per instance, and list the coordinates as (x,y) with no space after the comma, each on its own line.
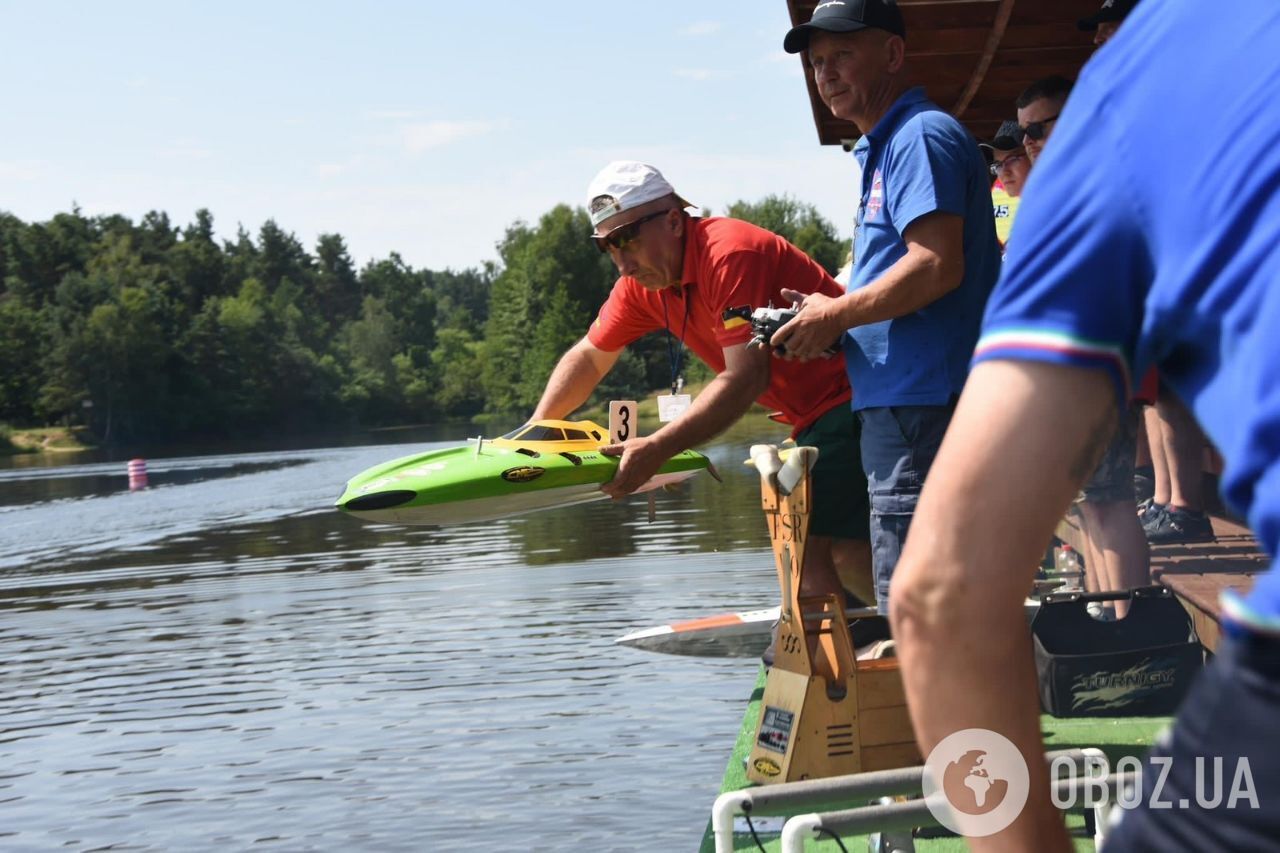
(974,57)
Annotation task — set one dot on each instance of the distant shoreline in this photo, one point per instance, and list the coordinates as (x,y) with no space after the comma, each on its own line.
(44,440)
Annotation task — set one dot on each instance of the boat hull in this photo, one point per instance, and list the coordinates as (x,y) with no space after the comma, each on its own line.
(491,480)
(730,635)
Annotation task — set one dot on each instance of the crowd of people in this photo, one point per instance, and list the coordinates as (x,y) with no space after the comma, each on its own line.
(1018,345)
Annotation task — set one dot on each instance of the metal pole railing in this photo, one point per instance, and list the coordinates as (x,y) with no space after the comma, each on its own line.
(917,813)
(841,790)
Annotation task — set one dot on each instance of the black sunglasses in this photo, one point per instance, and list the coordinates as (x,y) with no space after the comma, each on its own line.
(1036,129)
(622,236)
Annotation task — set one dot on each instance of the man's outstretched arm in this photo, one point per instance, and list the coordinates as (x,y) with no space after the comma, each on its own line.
(723,401)
(1024,437)
(576,375)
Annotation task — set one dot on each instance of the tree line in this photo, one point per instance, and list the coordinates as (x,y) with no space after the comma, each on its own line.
(152,331)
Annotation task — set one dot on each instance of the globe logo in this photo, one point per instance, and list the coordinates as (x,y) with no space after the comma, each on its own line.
(969,785)
(975,782)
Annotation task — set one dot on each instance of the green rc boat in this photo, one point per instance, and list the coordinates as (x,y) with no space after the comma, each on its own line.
(541,465)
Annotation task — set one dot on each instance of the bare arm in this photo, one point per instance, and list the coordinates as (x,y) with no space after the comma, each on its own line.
(932,267)
(1024,436)
(576,375)
(723,401)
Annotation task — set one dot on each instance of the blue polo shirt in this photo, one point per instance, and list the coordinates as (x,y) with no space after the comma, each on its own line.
(915,161)
(1150,234)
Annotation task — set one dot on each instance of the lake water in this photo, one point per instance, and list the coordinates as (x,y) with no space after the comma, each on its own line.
(224,661)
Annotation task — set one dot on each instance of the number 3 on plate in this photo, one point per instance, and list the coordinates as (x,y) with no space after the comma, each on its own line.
(622,420)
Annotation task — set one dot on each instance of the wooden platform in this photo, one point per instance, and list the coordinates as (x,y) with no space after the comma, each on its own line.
(1199,574)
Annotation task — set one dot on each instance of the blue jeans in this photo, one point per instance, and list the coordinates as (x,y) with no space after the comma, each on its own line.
(899,444)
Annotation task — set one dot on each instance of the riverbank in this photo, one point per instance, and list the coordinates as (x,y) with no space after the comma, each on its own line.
(62,440)
(44,440)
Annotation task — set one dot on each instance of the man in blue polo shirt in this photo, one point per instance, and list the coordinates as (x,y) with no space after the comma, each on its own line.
(1166,252)
(925,258)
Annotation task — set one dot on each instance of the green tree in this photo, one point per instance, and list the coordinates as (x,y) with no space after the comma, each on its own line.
(196,265)
(169,332)
(154,237)
(627,380)
(241,261)
(280,257)
(337,285)
(456,364)
(463,297)
(41,254)
(800,224)
(115,358)
(232,348)
(549,268)
(21,360)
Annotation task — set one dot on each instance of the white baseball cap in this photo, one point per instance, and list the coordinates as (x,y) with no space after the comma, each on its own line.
(624,185)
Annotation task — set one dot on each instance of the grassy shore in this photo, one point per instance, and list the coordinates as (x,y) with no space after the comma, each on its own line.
(43,440)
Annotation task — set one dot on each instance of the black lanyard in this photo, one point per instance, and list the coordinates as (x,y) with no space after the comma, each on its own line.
(674,354)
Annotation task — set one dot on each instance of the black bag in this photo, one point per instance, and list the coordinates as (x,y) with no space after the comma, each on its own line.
(1141,665)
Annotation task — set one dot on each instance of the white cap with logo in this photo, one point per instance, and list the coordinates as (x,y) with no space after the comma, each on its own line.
(624,185)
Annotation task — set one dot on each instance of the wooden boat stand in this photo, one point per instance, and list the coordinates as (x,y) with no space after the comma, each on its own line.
(823,713)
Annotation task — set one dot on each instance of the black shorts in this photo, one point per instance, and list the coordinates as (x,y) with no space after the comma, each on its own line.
(840,507)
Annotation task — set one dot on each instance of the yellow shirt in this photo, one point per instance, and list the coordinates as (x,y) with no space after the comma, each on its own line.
(1006,207)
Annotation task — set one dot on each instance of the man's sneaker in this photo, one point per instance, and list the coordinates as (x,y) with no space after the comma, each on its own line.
(1149,511)
(1175,526)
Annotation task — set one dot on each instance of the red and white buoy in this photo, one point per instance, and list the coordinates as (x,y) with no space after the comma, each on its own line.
(137,474)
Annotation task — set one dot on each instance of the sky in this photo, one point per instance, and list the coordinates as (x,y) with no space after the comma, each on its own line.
(424,128)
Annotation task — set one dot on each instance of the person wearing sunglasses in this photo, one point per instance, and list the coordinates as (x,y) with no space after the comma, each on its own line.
(1009,166)
(1169,254)
(1111,538)
(679,275)
(1038,110)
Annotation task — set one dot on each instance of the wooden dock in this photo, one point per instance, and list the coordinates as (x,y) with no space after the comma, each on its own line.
(1198,574)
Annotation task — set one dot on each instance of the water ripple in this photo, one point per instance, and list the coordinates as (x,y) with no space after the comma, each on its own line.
(226,662)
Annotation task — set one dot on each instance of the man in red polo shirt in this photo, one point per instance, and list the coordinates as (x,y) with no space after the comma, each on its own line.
(681,273)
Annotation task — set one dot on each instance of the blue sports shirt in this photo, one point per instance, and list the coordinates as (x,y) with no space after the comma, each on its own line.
(1150,234)
(918,160)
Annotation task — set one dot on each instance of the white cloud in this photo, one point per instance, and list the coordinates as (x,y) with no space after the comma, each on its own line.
(700,28)
(329,170)
(420,136)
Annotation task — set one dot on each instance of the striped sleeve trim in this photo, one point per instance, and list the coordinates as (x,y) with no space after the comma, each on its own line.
(1058,347)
